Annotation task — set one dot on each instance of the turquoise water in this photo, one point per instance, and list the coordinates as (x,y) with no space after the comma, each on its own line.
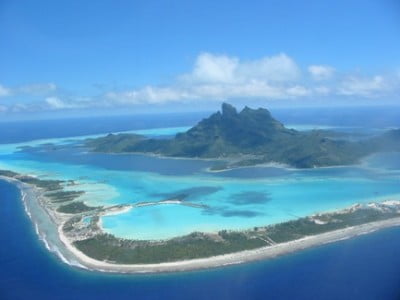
(366,267)
(86,220)
(236,199)
(275,200)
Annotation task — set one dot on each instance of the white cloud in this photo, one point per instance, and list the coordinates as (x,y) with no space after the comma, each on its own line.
(37,88)
(253,89)
(56,103)
(217,77)
(320,72)
(150,95)
(50,103)
(214,68)
(29,89)
(280,68)
(210,68)
(209,91)
(298,91)
(4,92)
(361,86)
(221,77)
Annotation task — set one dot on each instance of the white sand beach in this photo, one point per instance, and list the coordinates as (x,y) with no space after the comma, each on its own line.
(211,262)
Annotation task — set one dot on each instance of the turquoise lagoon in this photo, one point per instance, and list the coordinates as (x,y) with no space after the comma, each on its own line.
(235,199)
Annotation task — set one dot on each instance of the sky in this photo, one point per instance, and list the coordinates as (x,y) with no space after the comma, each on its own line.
(64,58)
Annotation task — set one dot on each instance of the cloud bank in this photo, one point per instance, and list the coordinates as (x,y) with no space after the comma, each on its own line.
(217,77)
(319,72)
(223,77)
(29,89)
(4,92)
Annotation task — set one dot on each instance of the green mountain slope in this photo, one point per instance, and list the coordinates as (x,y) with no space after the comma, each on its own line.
(249,137)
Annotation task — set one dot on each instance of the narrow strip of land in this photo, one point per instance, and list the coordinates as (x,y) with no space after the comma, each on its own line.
(237,246)
(233,258)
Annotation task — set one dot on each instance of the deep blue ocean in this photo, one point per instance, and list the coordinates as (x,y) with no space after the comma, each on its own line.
(366,267)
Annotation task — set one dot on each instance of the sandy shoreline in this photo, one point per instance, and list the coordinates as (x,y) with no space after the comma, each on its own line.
(210,262)
(233,258)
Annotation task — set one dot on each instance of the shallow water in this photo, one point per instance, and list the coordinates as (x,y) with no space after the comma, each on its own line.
(234,199)
(365,267)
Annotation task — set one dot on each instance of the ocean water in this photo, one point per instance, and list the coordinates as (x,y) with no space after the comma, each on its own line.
(366,267)
(235,199)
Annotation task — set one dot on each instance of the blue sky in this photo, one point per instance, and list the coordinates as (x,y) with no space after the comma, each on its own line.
(94,57)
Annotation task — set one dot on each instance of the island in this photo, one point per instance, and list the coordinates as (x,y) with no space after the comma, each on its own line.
(233,139)
(80,230)
(251,137)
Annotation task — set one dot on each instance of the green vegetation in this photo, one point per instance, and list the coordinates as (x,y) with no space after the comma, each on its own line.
(48,185)
(106,247)
(64,196)
(75,208)
(69,224)
(113,142)
(7,173)
(251,137)
(55,192)
(296,229)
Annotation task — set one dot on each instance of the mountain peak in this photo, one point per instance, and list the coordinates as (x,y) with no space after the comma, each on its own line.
(253,136)
(260,111)
(228,110)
